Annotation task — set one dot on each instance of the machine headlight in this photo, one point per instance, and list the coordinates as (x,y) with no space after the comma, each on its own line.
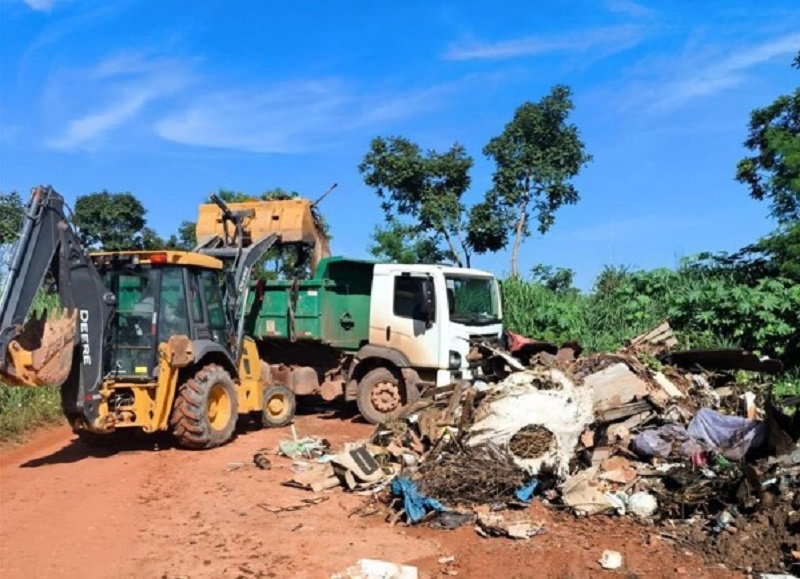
(454,360)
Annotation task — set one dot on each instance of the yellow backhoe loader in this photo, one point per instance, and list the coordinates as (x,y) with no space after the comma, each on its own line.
(149,340)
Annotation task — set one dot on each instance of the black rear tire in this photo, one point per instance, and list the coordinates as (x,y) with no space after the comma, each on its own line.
(280,405)
(206,409)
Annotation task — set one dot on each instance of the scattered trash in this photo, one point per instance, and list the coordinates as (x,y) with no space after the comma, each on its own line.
(611,559)
(261,461)
(304,504)
(303,448)
(642,504)
(525,493)
(375,569)
(732,436)
(641,432)
(541,413)
(511,524)
(416,505)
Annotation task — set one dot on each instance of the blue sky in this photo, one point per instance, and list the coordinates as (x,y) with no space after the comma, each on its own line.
(173,100)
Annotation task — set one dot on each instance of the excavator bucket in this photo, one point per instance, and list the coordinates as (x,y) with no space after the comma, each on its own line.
(293,220)
(42,353)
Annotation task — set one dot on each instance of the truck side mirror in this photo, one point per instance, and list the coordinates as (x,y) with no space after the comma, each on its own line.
(427,302)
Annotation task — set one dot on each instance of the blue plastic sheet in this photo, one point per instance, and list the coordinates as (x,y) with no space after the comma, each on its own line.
(525,493)
(415,503)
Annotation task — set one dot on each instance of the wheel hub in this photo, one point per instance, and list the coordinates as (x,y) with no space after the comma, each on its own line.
(219,407)
(385,397)
(276,405)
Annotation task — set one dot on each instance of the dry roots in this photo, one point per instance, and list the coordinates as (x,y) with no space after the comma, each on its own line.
(468,476)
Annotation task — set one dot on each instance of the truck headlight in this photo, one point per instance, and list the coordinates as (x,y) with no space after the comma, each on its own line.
(454,360)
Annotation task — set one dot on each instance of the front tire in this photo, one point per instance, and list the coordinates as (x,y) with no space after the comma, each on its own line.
(279,407)
(206,409)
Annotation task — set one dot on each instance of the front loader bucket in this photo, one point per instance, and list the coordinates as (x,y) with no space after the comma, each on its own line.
(293,220)
(42,353)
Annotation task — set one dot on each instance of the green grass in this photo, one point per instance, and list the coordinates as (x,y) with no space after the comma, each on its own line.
(23,409)
(787,385)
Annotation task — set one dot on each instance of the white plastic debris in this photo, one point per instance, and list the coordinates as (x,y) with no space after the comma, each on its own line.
(376,569)
(642,504)
(611,559)
(544,398)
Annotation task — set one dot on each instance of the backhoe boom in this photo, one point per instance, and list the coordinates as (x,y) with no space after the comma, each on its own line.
(66,351)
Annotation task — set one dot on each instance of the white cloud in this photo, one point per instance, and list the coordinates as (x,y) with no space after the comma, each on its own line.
(129,96)
(290,117)
(613,39)
(629,8)
(40,5)
(120,88)
(693,80)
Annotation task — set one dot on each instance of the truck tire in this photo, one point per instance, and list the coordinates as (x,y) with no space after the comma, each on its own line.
(279,407)
(206,409)
(380,393)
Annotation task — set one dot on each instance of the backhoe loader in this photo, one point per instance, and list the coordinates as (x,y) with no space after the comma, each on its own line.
(147,340)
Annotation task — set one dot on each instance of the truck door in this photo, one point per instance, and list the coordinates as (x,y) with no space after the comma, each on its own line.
(406,323)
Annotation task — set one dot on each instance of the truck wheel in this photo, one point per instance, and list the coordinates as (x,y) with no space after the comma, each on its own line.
(379,394)
(279,406)
(206,409)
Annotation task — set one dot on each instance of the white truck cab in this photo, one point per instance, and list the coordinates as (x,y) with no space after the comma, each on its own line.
(431,313)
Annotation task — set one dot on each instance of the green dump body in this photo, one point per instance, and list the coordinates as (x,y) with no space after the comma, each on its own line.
(333,307)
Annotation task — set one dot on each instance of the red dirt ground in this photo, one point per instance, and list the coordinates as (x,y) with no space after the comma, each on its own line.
(67,511)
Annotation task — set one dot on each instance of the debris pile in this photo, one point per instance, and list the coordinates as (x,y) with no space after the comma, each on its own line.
(669,438)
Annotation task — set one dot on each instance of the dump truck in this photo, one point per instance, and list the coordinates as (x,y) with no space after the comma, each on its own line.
(147,341)
(378,334)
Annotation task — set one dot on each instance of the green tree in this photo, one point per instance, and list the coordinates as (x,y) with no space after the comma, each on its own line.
(112,221)
(13,211)
(421,198)
(399,243)
(773,171)
(536,156)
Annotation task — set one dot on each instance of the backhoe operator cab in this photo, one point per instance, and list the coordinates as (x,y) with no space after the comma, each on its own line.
(169,364)
(147,340)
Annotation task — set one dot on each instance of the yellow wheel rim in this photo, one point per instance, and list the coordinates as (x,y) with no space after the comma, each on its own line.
(219,407)
(277,405)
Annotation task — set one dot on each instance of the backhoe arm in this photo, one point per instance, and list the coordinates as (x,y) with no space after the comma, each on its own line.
(67,349)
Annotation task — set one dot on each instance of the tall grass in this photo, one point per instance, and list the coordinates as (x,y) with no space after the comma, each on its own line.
(706,309)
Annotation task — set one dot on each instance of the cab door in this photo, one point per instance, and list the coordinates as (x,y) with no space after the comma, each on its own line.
(409,320)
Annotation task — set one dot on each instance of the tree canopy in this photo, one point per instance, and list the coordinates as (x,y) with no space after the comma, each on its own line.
(536,156)
(113,222)
(772,172)
(13,211)
(421,195)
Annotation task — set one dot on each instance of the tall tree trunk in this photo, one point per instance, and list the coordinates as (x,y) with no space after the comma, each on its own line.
(523,211)
(456,254)
(465,249)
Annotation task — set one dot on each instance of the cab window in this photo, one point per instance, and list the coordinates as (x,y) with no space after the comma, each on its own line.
(408,293)
(172,314)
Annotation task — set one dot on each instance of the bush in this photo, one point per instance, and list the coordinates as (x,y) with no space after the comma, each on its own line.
(706,306)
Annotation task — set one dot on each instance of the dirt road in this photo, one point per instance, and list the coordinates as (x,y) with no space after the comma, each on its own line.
(140,511)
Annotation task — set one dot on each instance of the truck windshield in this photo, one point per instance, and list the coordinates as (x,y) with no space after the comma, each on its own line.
(472,300)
